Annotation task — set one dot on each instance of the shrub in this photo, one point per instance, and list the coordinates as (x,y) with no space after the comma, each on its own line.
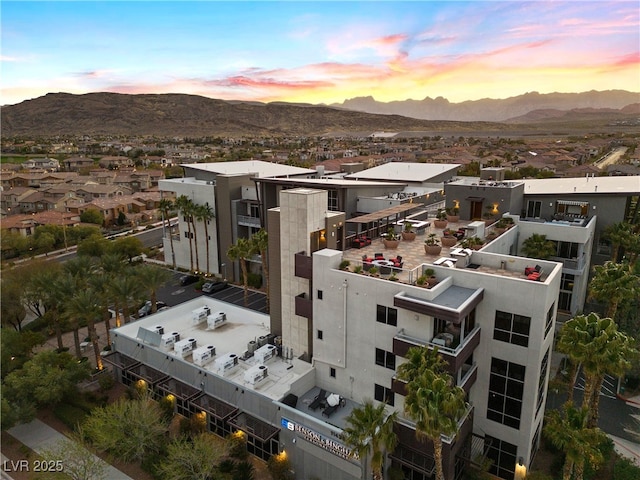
(237,445)
(243,471)
(70,415)
(344,264)
(279,467)
(625,469)
(254,280)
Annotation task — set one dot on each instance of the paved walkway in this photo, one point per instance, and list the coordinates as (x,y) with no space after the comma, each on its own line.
(38,436)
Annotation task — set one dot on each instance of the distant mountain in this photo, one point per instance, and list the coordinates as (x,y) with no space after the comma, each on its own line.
(493,110)
(191,115)
(577,114)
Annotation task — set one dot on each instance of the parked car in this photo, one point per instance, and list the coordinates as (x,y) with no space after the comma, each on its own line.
(212,287)
(146,308)
(188,279)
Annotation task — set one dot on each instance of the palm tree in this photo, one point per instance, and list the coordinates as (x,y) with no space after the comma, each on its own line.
(436,405)
(125,289)
(47,286)
(618,234)
(601,349)
(152,278)
(242,250)
(82,306)
(568,431)
(260,242)
(613,283)
(371,432)
(205,213)
(166,205)
(184,205)
(420,359)
(537,246)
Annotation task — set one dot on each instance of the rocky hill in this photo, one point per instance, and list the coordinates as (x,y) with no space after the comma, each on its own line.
(494,110)
(190,115)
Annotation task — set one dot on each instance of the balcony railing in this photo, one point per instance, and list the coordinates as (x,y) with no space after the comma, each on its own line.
(570,263)
(248,221)
(303,306)
(303,265)
(455,357)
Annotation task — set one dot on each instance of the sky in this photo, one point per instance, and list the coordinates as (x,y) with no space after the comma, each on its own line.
(318,52)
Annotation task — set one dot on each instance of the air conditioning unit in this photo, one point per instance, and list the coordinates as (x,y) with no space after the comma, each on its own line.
(265,353)
(168,340)
(200,315)
(159,329)
(226,363)
(216,320)
(262,340)
(256,374)
(185,347)
(204,355)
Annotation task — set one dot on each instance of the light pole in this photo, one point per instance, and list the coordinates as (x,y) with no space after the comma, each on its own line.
(224,272)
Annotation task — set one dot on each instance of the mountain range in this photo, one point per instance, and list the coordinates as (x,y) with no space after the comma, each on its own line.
(190,115)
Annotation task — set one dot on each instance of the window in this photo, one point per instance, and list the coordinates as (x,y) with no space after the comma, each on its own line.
(333,200)
(512,328)
(320,334)
(384,394)
(319,294)
(385,359)
(603,246)
(542,380)
(503,456)
(332,372)
(566,250)
(387,315)
(566,292)
(535,442)
(506,388)
(188,234)
(549,323)
(533,209)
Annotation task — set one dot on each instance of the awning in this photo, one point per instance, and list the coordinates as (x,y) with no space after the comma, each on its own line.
(571,202)
(475,199)
(387,212)
(252,426)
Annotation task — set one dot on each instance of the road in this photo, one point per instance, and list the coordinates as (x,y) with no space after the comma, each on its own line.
(610,158)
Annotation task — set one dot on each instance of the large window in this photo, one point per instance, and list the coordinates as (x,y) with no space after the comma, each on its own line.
(566,292)
(503,456)
(387,315)
(333,200)
(542,380)
(549,322)
(385,359)
(512,328)
(384,394)
(533,209)
(566,249)
(506,387)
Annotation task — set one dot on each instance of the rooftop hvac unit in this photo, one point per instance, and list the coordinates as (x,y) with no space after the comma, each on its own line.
(204,355)
(200,315)
(168,340)
(159,329)
(185,347)
(252,346)
(226,363)
(216,320)
(265,353)
(262,340)
(256,374)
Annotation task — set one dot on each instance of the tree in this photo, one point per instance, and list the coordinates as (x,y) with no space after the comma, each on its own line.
(93,246)
(195,459)
(92,215)
(601,349)
(47,379)
(420,359)
(111,266)
(537,246)
(152,278)
(568,431)
(126,290)
(260,241)
(166,206)
(129,429)
(12,310)
(74,454)
(618,234)
(612,283)
(370,432)
(17,348)
(242,250)
(185,205)
(128,246)
(204,213)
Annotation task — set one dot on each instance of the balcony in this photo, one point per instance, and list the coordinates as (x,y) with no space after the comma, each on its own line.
(303,265)
(570,263)
(468,376)
(455,356)
(304,306)
(248,221)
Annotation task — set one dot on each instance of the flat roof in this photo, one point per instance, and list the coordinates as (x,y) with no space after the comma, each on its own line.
(385,213)
(405,171)
(258,168)
(581,185)
(333,181)
(241,327)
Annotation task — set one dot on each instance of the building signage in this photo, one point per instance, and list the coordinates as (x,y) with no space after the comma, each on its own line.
(328,444)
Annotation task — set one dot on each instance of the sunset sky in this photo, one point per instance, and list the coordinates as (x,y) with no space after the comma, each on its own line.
(319,52)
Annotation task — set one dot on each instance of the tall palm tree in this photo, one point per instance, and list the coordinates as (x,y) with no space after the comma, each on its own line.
(420,359)
(568,430)
(184,204)
(166,205)
(242,250)
(618,234)
(84,308)
(613,283)
(47,285)
(204,213)
(151,279)
(537,246)
(260,241)
(126,290)
(370,431)
(436,405)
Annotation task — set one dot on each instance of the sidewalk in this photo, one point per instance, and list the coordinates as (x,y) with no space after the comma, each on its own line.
(38,436)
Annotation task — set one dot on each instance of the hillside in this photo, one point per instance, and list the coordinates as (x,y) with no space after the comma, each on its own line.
(190,115)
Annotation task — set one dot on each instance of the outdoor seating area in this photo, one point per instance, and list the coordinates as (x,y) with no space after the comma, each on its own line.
(360,241)
(384,265)
(533,273)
